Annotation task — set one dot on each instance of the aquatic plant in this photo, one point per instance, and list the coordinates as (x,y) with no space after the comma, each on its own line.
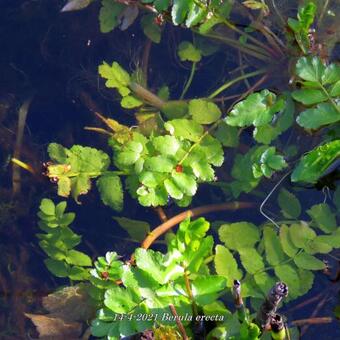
(177,145)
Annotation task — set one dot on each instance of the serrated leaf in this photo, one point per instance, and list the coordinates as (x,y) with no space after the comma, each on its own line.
(151,179)
(274,252)
(332,239)
(130,102)
(203,111)
(80,185)
(57,153)
(286,242)
(166,145)
(159,164)
(173,189)
(310,68)
(323,217)
(137,230)
(323,114)
(78,258)
(185,128)
(309,96)
(185,182)
(64,186)
(239,235)
(130,154)
(251,260)
(179,11)
(307,261)
(318,246)
(289,204)
(205,289)
(203,171)
(120,300)
(111,191)
(109,15)
(116,77)
(300,234)
(257,109)
(226,265)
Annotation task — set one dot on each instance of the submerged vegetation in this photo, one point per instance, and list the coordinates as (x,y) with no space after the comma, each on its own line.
(274,118)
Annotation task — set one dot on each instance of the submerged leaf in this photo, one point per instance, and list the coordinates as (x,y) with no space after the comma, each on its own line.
(111,190)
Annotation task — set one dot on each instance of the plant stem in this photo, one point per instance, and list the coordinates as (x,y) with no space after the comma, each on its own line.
(330,98)
(146,95)
(252,50)
(232,82)
(189,81)
(190,294)
(205,209)
(178,322)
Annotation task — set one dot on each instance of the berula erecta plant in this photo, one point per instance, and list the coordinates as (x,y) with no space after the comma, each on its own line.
(177,145)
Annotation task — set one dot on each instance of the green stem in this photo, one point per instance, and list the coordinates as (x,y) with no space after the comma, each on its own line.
(189,81)
(190,294)
(330,98)
(252,50)
(232,82)
(146,95)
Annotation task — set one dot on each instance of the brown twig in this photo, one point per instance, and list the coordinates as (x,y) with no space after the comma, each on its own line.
(161,214)
(190,293)
(312,321)
(164,227)
(178,322)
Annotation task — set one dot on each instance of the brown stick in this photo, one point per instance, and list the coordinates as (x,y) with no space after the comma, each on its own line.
(178,322)
(164,227)
(312,321)
(161,214)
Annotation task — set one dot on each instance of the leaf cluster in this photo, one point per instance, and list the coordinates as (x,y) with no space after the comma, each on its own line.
(58,242)
(261,256)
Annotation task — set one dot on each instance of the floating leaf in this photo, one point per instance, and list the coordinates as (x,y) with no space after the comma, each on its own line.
(188,52)
(203,111)
(257,109)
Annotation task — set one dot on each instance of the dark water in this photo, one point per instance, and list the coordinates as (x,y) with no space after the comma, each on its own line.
(54,57)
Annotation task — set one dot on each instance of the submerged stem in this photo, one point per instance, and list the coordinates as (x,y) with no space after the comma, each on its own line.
(232,82)
(189,81)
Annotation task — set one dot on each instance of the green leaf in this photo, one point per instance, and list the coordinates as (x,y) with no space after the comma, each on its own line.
(153,263)
(78,258)
(151,29)
(318,246)
(289,204)
(64,186)
(300,234)
(184,128)
(203,111)
(257,109)
(311,166)
(188,52)
(196,15)
(206,288)
(109,15)
(173,189)
(251,260)
(323,114)
(310,68)
(137,230)
(166,145)
(57,153)
(186,183)
(227,135)
(307,261)
(120,300)
(153,197)
(130,102)
(179,11)
(111,191)
(331,74)
(309,96)
(332,239)
(226,265)
(286,242)
(203,171)
(272,245)
(323,217)
(161,5)
(57,268)
(151,179)
(130,154)
(175,109)
(47,207)
(239,235)
(116,77)
(80,185)
(159,164)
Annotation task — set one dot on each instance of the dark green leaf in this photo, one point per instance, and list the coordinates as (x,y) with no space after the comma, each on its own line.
(323,217)
(111,190)
(151,29)
(274,252)
(137,230)
(309,96)
(289,204)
